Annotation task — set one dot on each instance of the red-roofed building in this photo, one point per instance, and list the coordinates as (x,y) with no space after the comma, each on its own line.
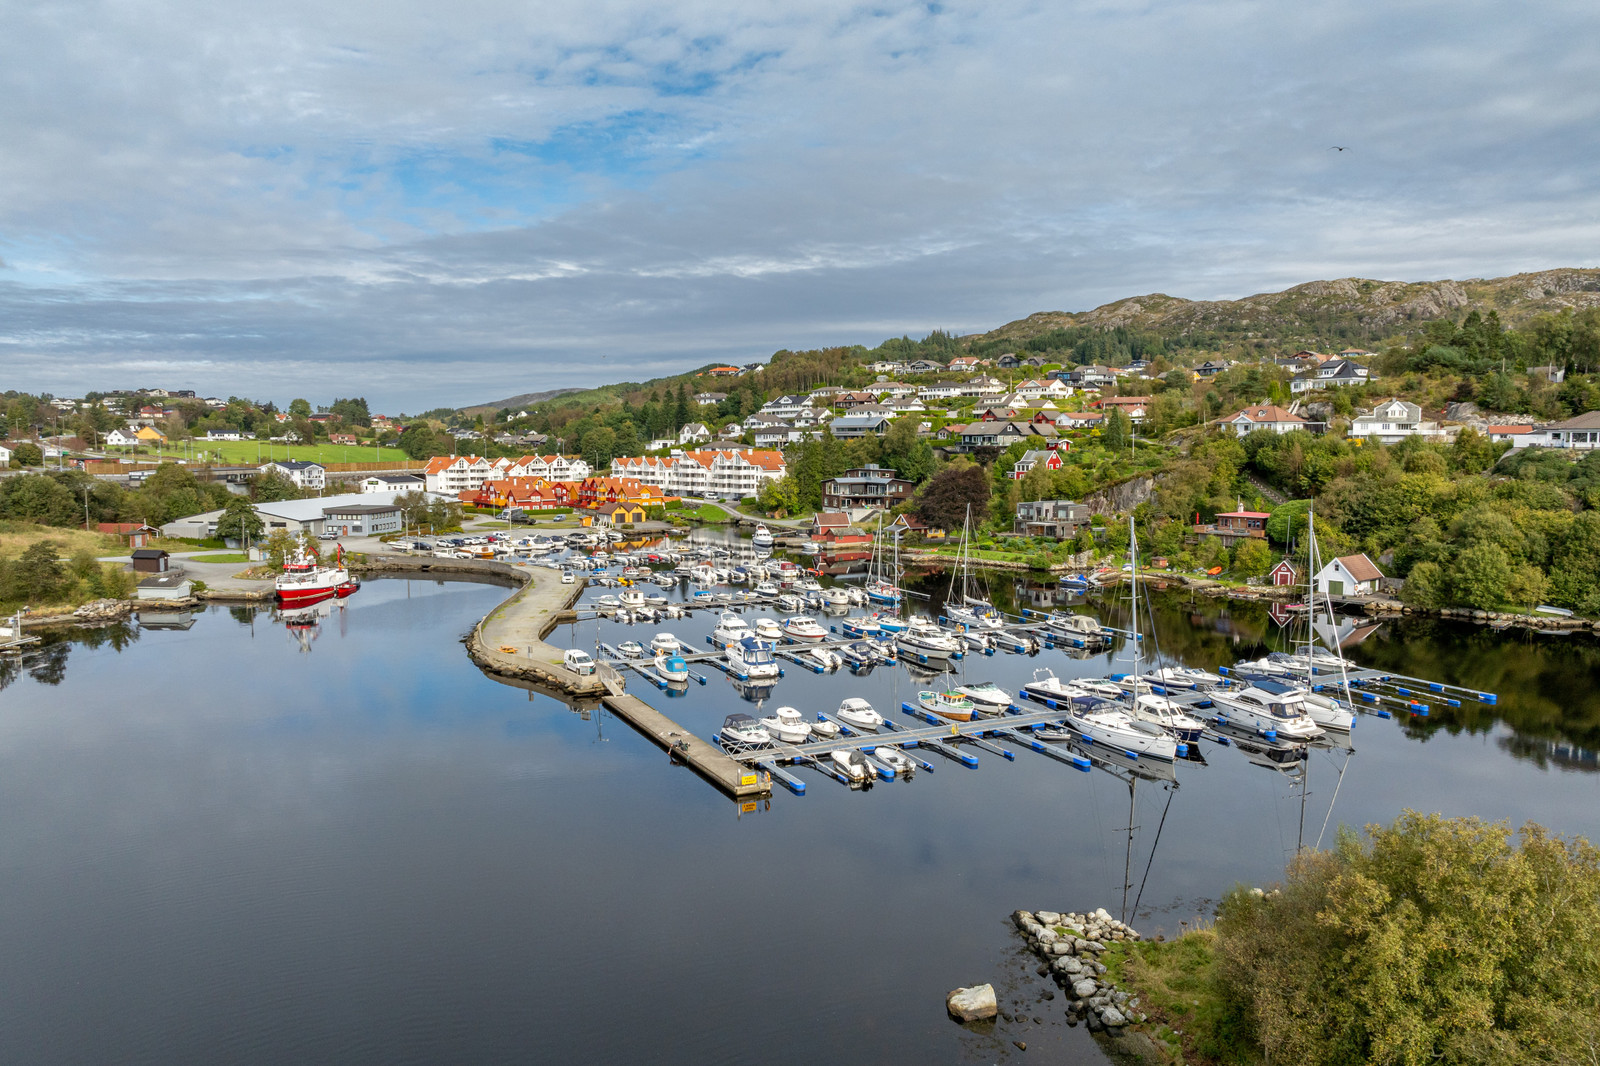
(1234,526)
(726,473)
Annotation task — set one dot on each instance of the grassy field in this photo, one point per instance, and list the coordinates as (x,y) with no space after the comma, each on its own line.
(221,557)
(17,537)
(249,451)
(1178,983)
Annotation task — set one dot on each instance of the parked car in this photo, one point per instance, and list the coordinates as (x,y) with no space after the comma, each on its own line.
(566,577)
(579,662)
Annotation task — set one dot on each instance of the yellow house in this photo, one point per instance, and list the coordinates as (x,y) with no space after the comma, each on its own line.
(616,514)
(148,435)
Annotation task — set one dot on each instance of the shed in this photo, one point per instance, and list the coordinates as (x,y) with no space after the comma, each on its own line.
(166,587)
(1349,575)
(150,561)
(1284,573)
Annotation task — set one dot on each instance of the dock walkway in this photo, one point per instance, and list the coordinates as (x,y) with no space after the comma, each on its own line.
(706,759)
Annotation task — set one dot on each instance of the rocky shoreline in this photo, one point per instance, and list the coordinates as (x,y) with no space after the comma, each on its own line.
(1069,946)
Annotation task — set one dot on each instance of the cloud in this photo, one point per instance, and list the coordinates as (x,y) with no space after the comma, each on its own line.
(441,207)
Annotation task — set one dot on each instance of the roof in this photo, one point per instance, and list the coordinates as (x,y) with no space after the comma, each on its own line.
(363,508)
(1269,412)
(1243,514)
(1508,429)
(1587,420)
(391,479)
(149,553)
(294,464)
(1360,567)
(163,581)
(314,509)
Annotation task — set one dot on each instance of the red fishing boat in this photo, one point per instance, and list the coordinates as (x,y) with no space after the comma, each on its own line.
(304,581)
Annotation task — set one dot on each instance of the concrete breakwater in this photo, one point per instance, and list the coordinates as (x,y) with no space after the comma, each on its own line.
(509,641)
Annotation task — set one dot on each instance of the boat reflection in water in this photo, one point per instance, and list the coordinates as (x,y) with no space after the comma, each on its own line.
(304,624)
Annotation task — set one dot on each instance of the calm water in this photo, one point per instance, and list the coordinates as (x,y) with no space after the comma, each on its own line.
(235,844)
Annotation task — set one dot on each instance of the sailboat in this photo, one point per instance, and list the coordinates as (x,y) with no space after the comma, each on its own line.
(1143,703)
(966,609)
(880,589)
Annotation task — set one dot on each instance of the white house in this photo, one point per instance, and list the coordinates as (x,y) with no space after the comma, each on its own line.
(392,483)
(1392,421)
(729,473)
(943,390)
(550,467)
(894,390)
(119,439)
(1331,373)
(693,433)
(5,454)
(303,472)
(787,406)
(1349,575)
(223,434)
(1580,434)
(1262,416)
(982,386)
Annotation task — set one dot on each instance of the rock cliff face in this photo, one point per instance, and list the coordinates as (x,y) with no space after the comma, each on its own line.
(1121,497)
(1341,307)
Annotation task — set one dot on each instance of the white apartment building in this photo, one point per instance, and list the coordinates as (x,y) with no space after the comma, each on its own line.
(304,473)
(1392,421)
(730,474)
(451,475)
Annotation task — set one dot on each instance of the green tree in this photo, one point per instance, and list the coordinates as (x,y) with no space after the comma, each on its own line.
(279,546)
(239,521)
(779,496)
(37,575)
(1425,586)
(1526,587)
(300,408)
(27,454)
(1480,575)
(1252,558)
(946,498)
(271,487)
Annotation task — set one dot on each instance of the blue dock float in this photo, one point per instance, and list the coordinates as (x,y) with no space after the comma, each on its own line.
(979,742)
(1076,761)
(788,780)
(949,751)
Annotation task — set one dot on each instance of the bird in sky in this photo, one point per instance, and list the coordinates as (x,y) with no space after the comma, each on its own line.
(1337,147)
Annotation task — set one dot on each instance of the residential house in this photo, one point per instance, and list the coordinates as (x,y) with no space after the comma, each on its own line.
(997,413)
(1349,575)
(923,366)
(1210,368)
(1132,406)
(942,390)
(1392,421)
(551,467)
(1284,574)
(964,363)
(887,366)
(983,386)
(779,436)
(703,398)
(451,475)
(894,390)
(731,431)
(1262,416)
(868,486)
(908,406)
(1233,526)
(847,401)
(1050,518)
(1517,435)
(786,406)
(1008,361)
(119,439)
(392,483)
(1078,419)
(5,453)
(1052,460)
(223,434)
(347,439)
(149,435)
(303,472)
(1331,373)
(1555,375)
(1093,377)
(1581,433)
(853,425)
(694,433)
(724,371)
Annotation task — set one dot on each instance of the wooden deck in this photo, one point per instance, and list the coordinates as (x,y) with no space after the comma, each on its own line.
(705,758)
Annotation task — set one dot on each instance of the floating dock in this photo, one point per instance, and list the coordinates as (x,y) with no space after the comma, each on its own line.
(704,758)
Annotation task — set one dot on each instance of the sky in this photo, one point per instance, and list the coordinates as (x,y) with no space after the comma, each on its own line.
(445,204)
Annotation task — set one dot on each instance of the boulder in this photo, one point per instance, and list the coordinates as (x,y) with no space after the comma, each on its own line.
(1061,947)
(1069,965)
(1090,945)
(1084,988)
(1111,1018)
(1048,917)
(973,1004)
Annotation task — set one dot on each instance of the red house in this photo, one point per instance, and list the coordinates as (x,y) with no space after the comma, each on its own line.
(1285,573)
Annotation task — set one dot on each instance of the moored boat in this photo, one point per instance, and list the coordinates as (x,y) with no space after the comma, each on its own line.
(741,730)
(986,696)
(857,713)
(951,705)
(750,658)
(787,726)
(804,628)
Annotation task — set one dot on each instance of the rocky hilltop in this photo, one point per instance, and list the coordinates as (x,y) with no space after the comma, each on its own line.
(1351,309)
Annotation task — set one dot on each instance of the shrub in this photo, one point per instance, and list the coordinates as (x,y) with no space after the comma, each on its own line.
(1431,941)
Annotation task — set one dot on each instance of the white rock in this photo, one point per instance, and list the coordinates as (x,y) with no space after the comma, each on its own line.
(972,1004)
(1102,915)
(1084,988)
(1048,917)
(1111,1017)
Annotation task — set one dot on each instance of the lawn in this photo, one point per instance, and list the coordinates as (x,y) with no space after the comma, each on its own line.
(221,557)
(16,537)
(255,452)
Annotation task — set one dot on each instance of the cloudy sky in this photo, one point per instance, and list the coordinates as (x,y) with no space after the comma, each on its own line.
(436,204)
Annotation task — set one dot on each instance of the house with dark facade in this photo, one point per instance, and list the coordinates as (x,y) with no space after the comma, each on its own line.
(1051,518)
(866,486)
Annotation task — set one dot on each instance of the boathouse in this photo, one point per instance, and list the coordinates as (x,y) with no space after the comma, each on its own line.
(1349,575)
(150,561)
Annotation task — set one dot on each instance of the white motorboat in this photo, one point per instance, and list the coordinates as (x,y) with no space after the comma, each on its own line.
(768,629)
(893,759)
(862,627)
(743,731)
(928,640)
(826,658)
(1052,689)
(986,696)
(1175,677)
(666,642)
(809,584)
(751,658)
(1327,711)
(766,588)
(631,649)
(730,629)
(852,764)
(859,654)
(789,603)
(1120,731)
(951,705)
(1256,709)
(1158,710)
(804,627)
(671,666)
(632,598)
(762,537)
(608,601)
(836,596)
(822,729)
(787,726)
(1083,627)
(857,713)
